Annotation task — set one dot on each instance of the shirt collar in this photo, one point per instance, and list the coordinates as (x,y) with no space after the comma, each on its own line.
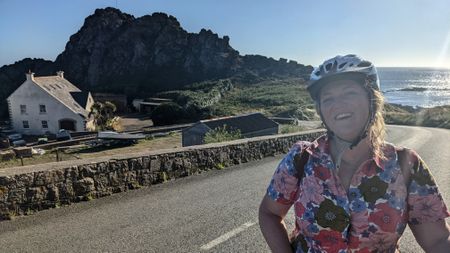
(321,147)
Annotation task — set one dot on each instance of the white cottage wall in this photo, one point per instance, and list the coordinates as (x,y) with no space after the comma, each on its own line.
(32,95)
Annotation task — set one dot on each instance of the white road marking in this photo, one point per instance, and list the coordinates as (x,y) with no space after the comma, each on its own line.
(227,236)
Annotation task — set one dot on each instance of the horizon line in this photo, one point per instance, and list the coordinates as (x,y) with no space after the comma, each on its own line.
(417,67)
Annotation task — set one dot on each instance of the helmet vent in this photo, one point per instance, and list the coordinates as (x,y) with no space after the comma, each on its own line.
(348,66)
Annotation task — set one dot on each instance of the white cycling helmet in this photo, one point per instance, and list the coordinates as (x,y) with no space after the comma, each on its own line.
(343,67)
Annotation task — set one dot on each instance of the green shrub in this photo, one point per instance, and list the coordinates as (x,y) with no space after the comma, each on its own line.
(220,166)
(103,115)
(167,114)
(221,134)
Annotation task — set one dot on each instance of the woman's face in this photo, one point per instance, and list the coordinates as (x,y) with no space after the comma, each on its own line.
(345,108)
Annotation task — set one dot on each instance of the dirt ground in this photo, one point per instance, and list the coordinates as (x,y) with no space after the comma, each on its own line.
(171,141)
(132,122)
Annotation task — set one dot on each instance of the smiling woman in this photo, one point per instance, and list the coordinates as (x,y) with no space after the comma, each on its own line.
(344,106)
(354,192)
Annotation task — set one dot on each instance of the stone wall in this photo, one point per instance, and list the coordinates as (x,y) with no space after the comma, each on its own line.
(24,190)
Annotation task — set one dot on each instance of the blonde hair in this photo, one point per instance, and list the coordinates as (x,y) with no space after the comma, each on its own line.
(377,130)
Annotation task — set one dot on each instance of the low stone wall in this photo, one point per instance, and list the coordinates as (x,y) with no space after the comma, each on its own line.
(24,190)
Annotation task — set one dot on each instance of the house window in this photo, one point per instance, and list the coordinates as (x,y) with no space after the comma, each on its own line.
(42,109)
(44,124)
(26,124)
(23,109)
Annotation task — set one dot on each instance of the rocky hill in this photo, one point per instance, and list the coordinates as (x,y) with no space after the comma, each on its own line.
(116,52)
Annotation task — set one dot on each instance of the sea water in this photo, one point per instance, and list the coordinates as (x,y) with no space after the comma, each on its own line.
(424,87)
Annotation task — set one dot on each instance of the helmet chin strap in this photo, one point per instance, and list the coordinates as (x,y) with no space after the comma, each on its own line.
(343,145)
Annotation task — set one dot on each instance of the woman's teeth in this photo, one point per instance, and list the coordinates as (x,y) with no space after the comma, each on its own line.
(342,116)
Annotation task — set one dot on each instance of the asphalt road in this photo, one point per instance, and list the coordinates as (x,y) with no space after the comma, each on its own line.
(212,212)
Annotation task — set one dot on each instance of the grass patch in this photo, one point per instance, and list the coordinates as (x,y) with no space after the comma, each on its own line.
(89,196)
(220,166)
(222,134)
(36,159)
(429,117)
(289,128)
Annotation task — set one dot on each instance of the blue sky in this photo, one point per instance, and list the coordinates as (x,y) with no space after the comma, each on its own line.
(389,33)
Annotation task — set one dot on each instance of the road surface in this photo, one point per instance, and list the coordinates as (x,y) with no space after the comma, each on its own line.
(212,212)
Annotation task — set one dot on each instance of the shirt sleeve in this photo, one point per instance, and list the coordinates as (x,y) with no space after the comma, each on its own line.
(283,186)
(425,202)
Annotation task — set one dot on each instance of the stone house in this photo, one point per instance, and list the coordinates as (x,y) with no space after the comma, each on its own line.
(47,104)
(250,125)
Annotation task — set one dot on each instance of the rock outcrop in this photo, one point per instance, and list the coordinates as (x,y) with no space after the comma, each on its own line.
(116,52)
(154,50)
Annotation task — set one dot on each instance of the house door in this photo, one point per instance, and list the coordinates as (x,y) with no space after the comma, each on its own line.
(68,124)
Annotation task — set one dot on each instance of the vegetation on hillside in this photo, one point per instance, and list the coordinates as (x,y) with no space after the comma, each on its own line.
(430,117)
(280,98)
(195,101)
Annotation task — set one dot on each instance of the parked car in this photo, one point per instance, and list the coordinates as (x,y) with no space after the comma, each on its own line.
(63,135)
(11,135)
(12,138)
(15,137)
(19,143)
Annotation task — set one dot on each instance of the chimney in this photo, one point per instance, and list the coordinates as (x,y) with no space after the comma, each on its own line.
(30,75)
(60,74)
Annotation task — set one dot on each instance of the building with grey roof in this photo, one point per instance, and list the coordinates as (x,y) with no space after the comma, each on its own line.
(48,104)
(249,125)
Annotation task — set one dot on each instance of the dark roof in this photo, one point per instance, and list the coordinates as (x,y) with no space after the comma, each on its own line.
(80,97)
(246,123)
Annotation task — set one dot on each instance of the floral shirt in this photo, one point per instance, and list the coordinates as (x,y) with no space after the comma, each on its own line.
(370,216)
